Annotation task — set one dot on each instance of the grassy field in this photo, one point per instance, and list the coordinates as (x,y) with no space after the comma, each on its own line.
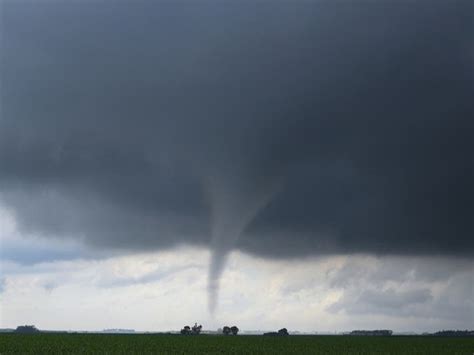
(241,344)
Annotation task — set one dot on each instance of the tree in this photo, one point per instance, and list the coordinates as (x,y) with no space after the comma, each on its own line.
(226,330)
(234,330)
(186,330)
(197,329)
(283,331)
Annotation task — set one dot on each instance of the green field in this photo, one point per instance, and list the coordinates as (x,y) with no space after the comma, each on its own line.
(241,344)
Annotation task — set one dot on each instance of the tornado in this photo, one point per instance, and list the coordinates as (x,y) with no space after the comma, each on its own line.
(234,205)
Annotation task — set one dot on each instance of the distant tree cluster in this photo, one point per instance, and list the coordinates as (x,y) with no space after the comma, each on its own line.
(26,329)
(281,332)
(454,333)
(230,330)
(195,330)
(378,332)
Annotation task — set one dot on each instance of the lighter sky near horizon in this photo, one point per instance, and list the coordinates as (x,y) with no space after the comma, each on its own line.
(64,286)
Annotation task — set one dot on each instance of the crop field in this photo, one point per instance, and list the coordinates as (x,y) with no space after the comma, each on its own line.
(241,344)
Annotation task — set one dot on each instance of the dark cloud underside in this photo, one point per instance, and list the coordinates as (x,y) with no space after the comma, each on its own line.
(118,118)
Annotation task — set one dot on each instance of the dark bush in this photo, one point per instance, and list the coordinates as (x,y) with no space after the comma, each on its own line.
(26,329)
(226,330)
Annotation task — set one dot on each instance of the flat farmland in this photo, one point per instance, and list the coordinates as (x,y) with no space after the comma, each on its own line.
(55,343)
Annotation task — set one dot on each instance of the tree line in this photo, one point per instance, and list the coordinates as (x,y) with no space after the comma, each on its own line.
(196,330)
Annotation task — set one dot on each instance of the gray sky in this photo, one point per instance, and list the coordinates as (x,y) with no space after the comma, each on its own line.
(308,131)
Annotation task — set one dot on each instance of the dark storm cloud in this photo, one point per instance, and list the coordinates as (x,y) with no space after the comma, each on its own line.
(27,254)
(430,288)
(305,127)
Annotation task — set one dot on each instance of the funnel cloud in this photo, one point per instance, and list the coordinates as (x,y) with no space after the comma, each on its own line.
(233,207)
(280,129)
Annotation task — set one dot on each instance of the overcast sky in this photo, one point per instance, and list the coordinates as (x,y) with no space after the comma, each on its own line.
(305,164)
